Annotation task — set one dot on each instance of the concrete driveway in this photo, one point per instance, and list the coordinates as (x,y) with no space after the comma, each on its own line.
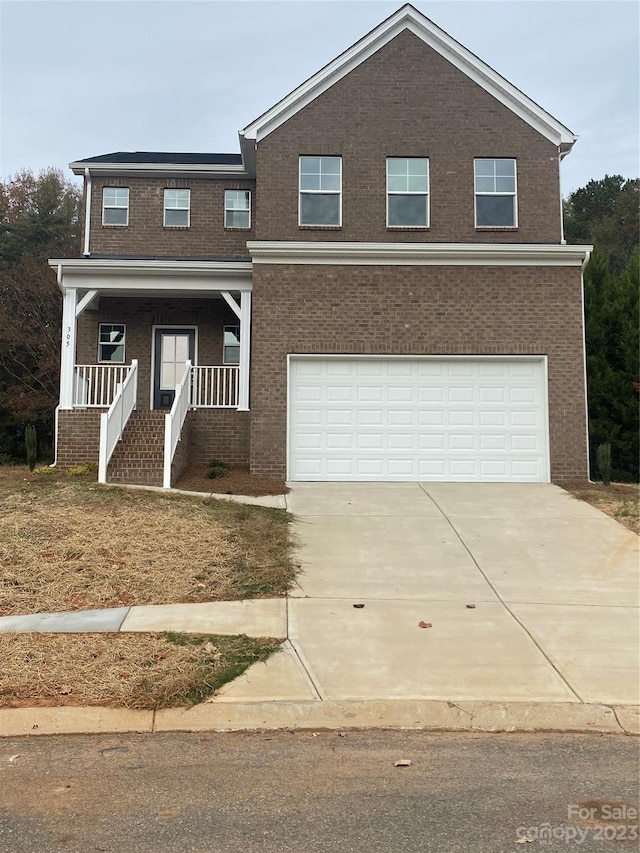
(532,596)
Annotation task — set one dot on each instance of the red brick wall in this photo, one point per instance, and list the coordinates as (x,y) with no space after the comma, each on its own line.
(78,437)
(140,315)
(424,310)
(407,101)
(219,434)
(146,235)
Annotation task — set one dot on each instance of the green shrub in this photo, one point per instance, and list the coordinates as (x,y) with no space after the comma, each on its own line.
(603,461)
(82,470)
(31,445)
(216,468)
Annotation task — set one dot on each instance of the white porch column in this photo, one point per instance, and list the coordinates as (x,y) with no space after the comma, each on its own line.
(68,355)
(245,351)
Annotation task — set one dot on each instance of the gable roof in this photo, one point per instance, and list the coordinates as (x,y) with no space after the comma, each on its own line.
(407,18)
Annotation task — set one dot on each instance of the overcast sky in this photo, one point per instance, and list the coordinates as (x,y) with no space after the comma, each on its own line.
(90,77)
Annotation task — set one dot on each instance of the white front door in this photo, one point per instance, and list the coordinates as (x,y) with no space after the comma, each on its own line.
(421,418)
(173,348)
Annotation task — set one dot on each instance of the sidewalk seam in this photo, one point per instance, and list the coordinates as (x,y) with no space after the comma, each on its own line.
(501,600)
(304,664)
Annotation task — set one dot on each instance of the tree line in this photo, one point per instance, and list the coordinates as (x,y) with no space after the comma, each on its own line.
(40,218)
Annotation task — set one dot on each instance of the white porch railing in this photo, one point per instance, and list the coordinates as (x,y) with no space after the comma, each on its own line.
(113,421)
(215,387)
(95,385)
(173,423)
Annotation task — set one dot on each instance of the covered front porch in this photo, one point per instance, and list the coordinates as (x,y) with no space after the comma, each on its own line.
(159,336)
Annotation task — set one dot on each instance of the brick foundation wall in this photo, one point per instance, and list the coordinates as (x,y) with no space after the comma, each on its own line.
(407,101)
(146,235)
(78,437)
(422,311)
(219,434)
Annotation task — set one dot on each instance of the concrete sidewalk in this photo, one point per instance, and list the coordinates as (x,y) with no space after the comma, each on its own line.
(531,598)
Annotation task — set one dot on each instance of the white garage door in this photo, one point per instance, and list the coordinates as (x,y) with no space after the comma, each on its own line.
(432,419)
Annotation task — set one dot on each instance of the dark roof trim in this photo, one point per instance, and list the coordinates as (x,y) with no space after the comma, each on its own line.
(164,157)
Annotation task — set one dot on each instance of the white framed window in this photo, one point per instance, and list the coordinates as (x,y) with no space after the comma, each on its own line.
(407,192)
(115,206)
(231,345)
(111,343)
(495,193)
(177,208)
(320,191)
(237,209)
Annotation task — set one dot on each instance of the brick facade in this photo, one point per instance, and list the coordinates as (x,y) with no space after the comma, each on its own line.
(78,437)
(146,235)
(219,434)
(425,310)
(407,101)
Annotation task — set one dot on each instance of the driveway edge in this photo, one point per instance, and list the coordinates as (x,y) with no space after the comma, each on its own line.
(425,714)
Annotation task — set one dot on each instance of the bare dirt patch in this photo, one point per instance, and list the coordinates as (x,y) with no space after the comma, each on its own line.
(618,500)
(121,670)
(70,544)
(236,481)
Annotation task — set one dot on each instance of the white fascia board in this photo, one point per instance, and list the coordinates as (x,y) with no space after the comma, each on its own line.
(418,254)
(214,170)
(152,276)
(410,19)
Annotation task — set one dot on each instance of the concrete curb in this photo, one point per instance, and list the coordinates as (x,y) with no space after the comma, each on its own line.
(423,714)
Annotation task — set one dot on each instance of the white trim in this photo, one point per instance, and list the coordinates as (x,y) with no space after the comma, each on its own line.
(301,224)
(87,300)
(584,371)
(245,352)
(87,211)
(417,254)
(153,350)
(426,194)
(466,357)
(231,302)
(98,266)
(236,210)
(513,194)
(106,207)
(159,169)
(68,347)
(165,208)
(408,18)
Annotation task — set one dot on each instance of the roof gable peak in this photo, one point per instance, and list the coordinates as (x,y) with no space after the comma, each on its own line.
(407,17)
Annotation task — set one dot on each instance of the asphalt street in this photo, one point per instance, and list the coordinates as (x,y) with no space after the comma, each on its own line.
(306,792)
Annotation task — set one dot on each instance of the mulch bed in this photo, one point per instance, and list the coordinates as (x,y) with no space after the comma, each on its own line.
(236,481)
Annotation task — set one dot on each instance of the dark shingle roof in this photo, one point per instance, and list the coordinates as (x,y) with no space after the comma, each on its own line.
(166,157)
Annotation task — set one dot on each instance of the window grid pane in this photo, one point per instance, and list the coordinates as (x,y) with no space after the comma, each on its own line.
(320,189)
(407,192)
(111,342)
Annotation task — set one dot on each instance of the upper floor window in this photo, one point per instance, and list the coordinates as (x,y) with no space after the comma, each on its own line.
(495,189)
(407,192)
(111,342)
(115,206)
(231,345)
(237,209)
(176,208)
(320,191)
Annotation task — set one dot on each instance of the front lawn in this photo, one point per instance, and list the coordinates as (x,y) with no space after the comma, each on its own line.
(67,543)
(145,671)
(619,500)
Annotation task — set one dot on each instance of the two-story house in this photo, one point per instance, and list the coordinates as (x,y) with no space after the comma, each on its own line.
(375,288)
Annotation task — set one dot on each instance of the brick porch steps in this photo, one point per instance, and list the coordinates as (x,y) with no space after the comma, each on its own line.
(139,456)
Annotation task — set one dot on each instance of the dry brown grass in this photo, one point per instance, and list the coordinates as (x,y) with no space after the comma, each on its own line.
(121,670)
(69,544)
(619,500)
